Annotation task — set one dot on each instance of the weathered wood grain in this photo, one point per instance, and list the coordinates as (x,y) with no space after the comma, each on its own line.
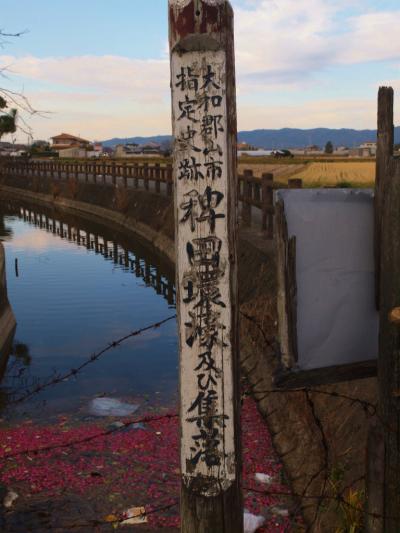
(204,127)
(387,249)
(286,288)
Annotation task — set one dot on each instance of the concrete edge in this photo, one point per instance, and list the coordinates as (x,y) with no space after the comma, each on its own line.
(161,242)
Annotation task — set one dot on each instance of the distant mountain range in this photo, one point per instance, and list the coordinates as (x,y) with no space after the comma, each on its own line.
(283,138)
(160,139)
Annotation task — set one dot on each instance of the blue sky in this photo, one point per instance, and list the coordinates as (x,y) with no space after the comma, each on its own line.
(101,67)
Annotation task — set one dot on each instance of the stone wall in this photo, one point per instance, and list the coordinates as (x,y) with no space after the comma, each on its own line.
(7,319)
(320,438)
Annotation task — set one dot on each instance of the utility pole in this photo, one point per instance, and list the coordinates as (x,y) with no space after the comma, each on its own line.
(387,248)
(204,128)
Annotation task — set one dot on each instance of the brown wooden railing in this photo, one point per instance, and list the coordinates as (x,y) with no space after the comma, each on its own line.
(255,194)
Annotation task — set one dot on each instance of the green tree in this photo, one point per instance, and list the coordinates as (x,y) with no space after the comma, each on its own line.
(8,119)
(329,148)
(40,147)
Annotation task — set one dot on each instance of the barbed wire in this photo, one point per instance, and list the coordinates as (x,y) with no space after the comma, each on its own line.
(84,440)
(114,522)
(369,409)
(59,378)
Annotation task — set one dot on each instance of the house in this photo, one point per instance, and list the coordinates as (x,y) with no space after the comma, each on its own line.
(366,149)
(72,153)
(150,149)
(70,145)
(246,147)
(126,150)
(134,150)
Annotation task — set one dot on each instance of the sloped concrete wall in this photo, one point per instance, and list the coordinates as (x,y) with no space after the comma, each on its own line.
(7,319)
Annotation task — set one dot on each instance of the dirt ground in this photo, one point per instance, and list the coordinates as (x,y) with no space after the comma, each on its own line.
(88,486)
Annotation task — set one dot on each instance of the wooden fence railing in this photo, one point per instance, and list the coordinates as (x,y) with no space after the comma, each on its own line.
(255,194)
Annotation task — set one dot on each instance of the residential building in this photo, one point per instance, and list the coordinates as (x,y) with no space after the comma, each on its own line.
(367,149)
(65,141)
(72,153)
(126,150)
(134,150)
(370,148)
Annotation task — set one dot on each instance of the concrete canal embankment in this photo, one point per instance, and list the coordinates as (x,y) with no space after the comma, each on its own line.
(7,319)
(320,438)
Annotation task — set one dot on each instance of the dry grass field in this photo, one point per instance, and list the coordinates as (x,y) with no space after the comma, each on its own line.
(319,174)
(354,173)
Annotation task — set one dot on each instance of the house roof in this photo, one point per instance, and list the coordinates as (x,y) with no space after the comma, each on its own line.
(69,137)
(66,146)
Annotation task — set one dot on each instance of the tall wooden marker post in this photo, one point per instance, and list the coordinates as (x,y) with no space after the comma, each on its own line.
(387,247)
(204,128)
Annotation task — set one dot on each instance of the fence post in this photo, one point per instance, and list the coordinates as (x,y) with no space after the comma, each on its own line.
(169,179)
(136,172)
(125,174)
(113,173)
(267,184)
(146,176)
(104,172)
(387,220)
(295,183)
(202,66)
(247,196)
(157,177)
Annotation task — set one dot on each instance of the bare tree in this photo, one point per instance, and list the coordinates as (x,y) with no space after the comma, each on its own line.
(15,107)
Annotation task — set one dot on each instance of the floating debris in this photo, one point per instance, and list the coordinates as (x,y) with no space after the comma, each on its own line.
(9,499)
(111,407)
(252,522)
(135,515)
(265,479)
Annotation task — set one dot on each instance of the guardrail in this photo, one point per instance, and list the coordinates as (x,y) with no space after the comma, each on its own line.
(255,194)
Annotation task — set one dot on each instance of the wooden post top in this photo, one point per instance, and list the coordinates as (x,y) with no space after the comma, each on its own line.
(199,24)
(385,121)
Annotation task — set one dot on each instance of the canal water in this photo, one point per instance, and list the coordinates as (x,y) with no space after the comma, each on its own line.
(75,287)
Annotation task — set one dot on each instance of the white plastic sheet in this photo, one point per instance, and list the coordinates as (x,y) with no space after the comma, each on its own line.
(111,407)
(337,322)
(252,522)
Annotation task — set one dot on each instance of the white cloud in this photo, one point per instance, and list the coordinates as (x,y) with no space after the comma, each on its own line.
(286,41)
(146,79)
(350,113)
(283,39)
(281,45)
(372,37)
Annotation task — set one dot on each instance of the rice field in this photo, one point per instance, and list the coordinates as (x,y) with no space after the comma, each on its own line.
(348,173)
(320,174)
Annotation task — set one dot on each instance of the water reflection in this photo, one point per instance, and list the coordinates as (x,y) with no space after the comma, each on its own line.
(69,304)
(95,239)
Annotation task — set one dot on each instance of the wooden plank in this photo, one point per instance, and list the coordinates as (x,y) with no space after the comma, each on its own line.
(384,153)
(375,480)
(286,288)
(204,127)
(388,260)
(295,379)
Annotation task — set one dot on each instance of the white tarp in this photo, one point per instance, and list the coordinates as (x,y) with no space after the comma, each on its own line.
(337,322)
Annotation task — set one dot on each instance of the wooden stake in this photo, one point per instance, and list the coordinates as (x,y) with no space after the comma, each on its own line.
(387,247)
(204,127)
